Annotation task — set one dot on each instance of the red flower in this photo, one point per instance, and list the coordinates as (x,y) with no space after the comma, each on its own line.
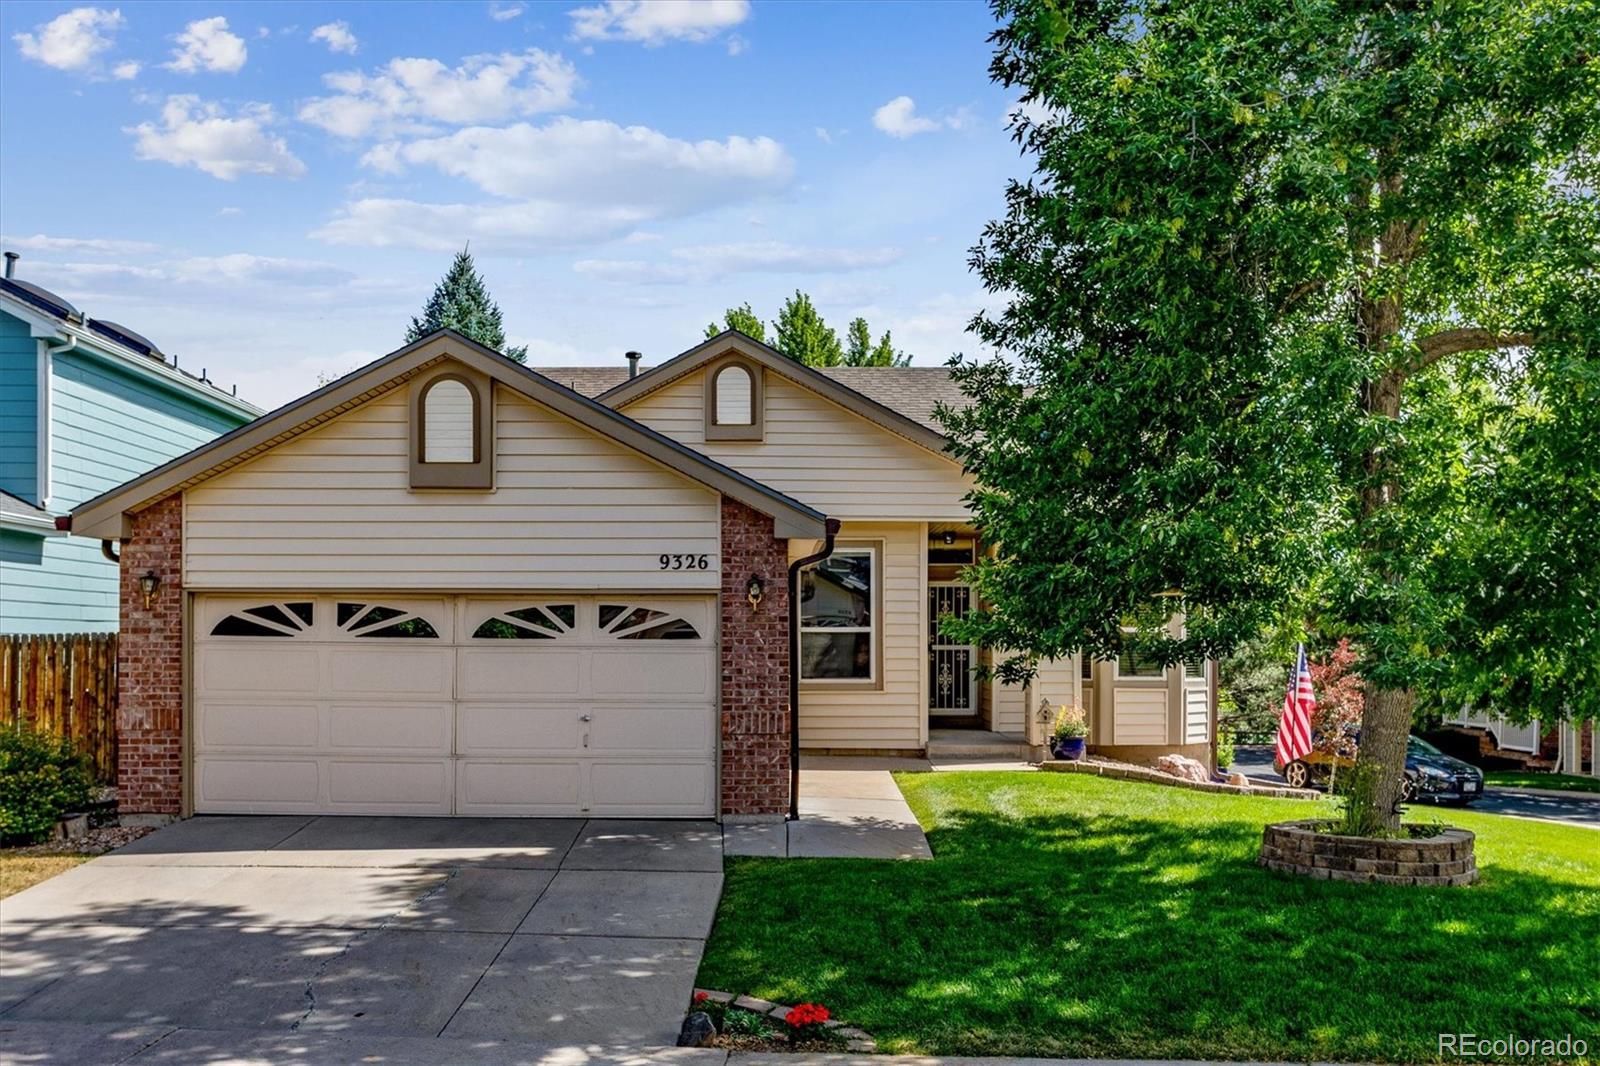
(804,1014)
(701,997)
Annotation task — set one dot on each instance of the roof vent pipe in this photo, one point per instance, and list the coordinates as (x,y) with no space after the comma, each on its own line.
(633,363)
(11,263)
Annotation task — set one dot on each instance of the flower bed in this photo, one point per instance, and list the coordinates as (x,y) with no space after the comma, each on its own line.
(744,1023)
(1421,856)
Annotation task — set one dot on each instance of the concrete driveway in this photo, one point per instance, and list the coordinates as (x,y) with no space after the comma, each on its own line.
(552,931)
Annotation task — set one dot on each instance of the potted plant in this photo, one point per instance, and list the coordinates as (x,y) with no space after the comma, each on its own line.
(1070,733)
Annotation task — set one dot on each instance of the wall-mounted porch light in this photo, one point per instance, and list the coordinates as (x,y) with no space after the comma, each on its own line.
(949,538)
(148,585)
(755,590)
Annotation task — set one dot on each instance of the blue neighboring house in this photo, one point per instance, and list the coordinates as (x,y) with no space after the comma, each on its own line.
(85,404)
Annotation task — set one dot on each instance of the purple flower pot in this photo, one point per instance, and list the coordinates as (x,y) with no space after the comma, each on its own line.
(1069,749)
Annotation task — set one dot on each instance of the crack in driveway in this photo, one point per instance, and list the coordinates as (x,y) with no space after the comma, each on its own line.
(359,935)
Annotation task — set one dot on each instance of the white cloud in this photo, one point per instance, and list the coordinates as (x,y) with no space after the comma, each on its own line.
(708,262)
(737,45)
(564,184)
(202,135)
(72,41)
(823,135)
(127,70)
(259,269)
(655,22)
(899,118)
(206,44)
(337,36)
(228,212)
(410,94)
(505,12)
(39,242)
(593,161)
(492,227)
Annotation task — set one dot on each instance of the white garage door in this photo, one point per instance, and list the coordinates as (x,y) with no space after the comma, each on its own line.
(379,704)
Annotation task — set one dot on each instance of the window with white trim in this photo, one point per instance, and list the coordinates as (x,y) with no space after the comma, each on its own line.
(838,617)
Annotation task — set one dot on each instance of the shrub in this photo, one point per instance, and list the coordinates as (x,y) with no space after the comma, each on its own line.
(41,776)
(805,1022)
(1070,723)
(1224,750)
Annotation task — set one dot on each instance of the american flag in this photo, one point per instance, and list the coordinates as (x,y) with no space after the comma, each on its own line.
(1294,727)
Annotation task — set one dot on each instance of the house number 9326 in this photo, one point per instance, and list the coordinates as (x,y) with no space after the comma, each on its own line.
(684,562)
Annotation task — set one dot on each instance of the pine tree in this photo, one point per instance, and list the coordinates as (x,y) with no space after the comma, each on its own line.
(803,336)
(742,319)
(461,302)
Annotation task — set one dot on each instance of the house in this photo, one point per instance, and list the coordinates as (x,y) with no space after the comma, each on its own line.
(85,404)
(447,583)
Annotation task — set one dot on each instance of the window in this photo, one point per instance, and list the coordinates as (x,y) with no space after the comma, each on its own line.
(838,618)
(267,620)
(1088,665)
(452,429)
(734,401)
(1133,664)
(644,623)
(449,412)
(360,620)
(545,622)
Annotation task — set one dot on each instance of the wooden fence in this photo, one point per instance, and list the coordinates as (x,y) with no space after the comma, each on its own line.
(66,685)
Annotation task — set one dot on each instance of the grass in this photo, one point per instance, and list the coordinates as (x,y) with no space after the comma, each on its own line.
(1067,915)
(1526,779)
(18,872)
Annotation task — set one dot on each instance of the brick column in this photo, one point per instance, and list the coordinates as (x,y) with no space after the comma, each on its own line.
(150,665)
(755,667)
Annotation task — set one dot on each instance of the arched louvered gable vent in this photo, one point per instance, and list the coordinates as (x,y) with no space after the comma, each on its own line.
(266,620)
(626,622)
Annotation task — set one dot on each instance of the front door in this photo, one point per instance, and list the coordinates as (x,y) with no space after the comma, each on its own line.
(952,691)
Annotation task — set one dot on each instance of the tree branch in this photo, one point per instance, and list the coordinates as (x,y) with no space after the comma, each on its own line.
(1468,339)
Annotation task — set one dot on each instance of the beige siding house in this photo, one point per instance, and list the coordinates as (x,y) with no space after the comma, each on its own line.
(449,584)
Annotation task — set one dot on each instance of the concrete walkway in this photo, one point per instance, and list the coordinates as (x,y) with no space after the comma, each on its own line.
(109,1045)
(564,931)
(850,808)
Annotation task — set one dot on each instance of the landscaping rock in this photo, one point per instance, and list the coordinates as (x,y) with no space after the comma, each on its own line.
(1182,766)
(697,1030)
(1238,780)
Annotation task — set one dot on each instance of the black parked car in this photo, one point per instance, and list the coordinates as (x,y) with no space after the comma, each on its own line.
(1431,775)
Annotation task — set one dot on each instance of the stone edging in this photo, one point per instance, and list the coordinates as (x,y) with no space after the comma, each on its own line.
(857,1040)
(1157,777)
(1304,848)
(1552,793)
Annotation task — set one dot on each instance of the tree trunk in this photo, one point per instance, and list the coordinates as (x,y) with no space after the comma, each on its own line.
(1385,725)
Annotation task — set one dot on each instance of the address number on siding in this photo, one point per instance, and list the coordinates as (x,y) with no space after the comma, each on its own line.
(684,562)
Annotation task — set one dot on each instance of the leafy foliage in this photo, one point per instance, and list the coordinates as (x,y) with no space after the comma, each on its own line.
(41,777)
(461,302)
(803,335)
(742,319)
(1251,681)
(1303,321)
(1340,701)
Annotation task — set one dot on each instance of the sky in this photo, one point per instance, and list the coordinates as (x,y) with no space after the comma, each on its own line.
(269,191)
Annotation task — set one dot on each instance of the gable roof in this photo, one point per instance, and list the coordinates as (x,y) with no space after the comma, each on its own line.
(51,318)
(106,515)
(914,391)
(733,342)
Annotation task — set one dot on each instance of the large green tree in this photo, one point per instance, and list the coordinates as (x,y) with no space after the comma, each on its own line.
(1304,302)
(461,302)
(803,336)
(743,320)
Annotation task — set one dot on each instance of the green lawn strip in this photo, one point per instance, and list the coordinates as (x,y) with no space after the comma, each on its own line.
(1067,915)
(1524,779)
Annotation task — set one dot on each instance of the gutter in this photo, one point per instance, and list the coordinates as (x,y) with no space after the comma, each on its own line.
(831,528)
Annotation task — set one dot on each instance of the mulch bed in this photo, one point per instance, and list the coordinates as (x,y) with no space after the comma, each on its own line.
(96,842)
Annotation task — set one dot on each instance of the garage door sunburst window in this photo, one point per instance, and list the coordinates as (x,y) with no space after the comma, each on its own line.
(266,620)
(361,620)
(546,621)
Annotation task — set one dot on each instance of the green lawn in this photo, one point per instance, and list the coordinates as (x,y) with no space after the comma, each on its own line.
(1067,915)
(1524,779)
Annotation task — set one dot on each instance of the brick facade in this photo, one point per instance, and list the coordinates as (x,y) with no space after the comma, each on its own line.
(150,665)
(755,667)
